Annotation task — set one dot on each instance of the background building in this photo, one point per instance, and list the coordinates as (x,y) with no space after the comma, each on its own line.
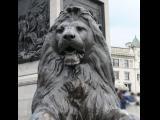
(126,65)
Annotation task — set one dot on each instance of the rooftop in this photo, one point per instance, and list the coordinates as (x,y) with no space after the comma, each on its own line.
(134,44)
(121,51)
(126,51)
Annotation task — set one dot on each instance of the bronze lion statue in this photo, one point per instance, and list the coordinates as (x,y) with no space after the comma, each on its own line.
(75,74)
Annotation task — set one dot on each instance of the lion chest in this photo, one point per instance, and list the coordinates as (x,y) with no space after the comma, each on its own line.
(74,86)
(79,91)
(78,82)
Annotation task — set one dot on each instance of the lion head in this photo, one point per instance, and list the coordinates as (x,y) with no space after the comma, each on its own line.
(76,39)
(75,59)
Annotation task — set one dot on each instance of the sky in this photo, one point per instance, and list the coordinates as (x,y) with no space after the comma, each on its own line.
(124,19)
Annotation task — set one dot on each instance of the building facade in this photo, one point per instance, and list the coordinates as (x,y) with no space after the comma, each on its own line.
(126,65)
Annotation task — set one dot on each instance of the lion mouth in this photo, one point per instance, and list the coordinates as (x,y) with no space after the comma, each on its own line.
(72,56)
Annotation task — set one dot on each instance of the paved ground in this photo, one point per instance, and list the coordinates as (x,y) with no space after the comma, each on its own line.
(134,109)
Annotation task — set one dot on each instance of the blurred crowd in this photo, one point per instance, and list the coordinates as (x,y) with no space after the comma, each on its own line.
(128,98)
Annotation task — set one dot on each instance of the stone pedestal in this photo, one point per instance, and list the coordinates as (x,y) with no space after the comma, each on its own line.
(27,78)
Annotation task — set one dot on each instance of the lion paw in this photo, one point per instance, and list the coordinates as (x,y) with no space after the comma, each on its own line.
(129,117)
(42,116)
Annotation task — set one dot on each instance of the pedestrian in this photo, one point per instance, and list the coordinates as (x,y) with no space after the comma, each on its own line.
(122,98)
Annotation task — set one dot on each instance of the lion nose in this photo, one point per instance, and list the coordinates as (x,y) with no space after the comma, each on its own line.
(69,36)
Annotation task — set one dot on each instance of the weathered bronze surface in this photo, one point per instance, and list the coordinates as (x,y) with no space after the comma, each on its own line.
(75,74)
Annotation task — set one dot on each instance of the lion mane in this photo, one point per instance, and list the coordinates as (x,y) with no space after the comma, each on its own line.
(81,92)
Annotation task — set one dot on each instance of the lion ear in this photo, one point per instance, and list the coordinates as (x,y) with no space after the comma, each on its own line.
(100,26)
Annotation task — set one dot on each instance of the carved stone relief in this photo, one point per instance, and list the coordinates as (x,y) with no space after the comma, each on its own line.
(33,24)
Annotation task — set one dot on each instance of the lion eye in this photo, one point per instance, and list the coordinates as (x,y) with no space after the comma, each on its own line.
(80,28)
(60,30)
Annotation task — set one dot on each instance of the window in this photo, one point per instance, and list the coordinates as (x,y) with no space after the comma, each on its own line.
(138,77)
(128,86)
(126,63)
(116,62)
(130,63)
(126,75)
(116,74)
